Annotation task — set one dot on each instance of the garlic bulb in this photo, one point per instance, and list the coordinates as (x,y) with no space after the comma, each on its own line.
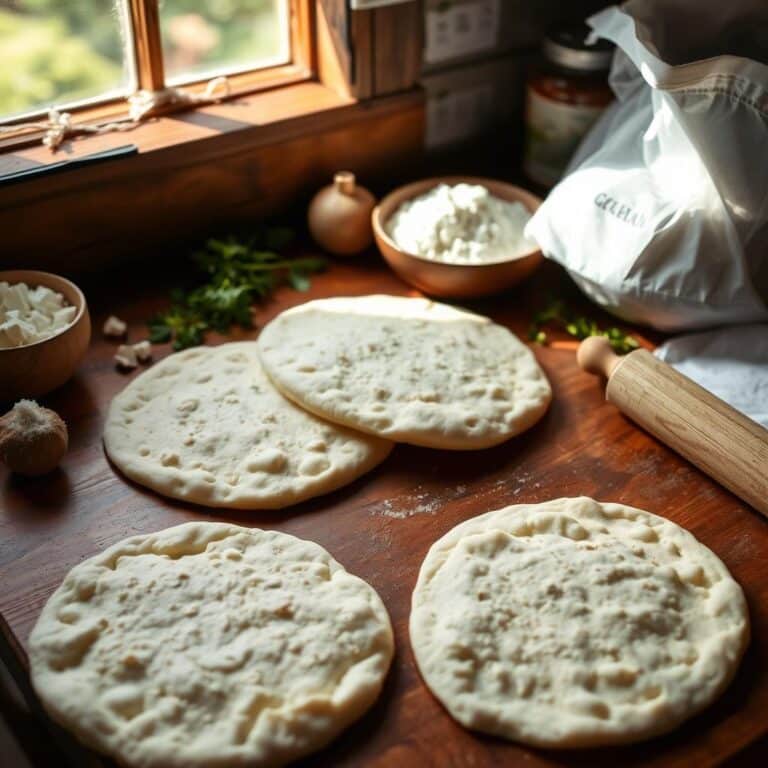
(33,439)
(339,216)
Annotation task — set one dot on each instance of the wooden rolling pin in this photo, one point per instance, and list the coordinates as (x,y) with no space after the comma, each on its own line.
(719,440)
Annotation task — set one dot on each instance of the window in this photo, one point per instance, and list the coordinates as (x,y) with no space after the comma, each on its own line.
(55,52)
(207,38)
(74,53)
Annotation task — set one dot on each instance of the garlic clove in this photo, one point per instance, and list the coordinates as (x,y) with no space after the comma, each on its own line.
(339,216)
(33,439)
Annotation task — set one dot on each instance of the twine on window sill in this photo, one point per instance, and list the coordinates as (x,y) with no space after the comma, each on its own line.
(141,106)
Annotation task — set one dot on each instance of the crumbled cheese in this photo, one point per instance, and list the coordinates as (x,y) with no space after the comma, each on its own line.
(461,224)
(29,314)
(143,350)
(63,317)
(114,326)
(125,357)
(130,355)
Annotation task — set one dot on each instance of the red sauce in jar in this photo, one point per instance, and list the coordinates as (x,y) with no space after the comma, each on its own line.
(567,90)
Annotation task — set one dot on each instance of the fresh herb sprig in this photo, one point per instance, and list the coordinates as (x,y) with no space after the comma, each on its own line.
(557,314)
(239,271)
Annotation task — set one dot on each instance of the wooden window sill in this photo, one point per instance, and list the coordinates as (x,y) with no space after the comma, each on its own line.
(259,116)
(196,170)
(240,85)
(252,121)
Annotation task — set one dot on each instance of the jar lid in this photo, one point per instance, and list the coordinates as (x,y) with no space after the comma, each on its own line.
(567,46)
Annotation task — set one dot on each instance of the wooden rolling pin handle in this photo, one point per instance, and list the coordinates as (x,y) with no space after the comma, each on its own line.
(596,356)
(719,440)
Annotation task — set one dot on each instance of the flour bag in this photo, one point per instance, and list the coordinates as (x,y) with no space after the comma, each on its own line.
(662,217)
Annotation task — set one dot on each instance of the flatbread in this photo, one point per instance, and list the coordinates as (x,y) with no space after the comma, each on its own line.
(210,645)
(406,369)
(574,623)
(206,425)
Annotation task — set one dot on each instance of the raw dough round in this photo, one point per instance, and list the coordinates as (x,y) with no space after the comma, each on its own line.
(574,623)
(210,645)
(409,370)
(207,426)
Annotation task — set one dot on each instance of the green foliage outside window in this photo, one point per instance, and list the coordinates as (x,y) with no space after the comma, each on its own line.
(58,51)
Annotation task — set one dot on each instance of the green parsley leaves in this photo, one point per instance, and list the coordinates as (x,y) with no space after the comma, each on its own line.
(239,271)
(556,314)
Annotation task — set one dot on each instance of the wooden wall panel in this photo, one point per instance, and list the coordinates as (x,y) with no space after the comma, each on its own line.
(398,45)
(361,36)
(379,50)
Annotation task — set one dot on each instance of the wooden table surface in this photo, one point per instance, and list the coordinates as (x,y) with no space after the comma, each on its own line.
(381,526)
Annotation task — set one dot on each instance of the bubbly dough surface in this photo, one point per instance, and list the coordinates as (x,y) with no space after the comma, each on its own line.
(206,425)
(574,623)
(210,645)
(406,369)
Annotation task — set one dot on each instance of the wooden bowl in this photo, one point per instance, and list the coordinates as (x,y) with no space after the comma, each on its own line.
(454,280)
(38,368)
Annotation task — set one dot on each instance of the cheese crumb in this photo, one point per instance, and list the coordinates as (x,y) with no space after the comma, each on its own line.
(130,355)
(28,315)
(125,357)
(461,224)
(143,350)
(114,327)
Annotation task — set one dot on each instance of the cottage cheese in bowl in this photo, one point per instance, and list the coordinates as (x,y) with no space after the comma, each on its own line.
(29,315)
(461,224)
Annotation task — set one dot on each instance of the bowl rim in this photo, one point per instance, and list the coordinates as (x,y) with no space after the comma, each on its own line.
(36,272)
(434,181)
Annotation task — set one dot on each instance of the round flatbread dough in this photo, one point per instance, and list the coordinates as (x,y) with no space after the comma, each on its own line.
(210,645)
(409,370)
(574,623)
(207,426)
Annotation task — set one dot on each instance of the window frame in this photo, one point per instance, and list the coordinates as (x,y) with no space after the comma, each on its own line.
(144,38)
(352,99)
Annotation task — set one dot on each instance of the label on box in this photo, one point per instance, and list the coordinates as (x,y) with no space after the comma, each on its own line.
(460,28)
(455,116)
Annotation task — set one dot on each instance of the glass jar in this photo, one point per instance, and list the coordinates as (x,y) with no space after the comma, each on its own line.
(567,90)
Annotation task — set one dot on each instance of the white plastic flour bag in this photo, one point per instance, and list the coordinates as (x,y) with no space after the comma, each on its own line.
(662,217)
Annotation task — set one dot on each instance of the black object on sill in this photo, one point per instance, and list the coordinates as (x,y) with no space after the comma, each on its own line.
(12,177)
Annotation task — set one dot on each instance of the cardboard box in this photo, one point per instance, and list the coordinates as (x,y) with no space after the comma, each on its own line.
(461,31)
(468,101)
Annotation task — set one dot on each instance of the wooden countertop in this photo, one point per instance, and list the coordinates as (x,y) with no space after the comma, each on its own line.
(381,526)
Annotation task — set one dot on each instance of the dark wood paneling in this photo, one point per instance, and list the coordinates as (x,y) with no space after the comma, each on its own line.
(379,50)
(397,46)
(362,43)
